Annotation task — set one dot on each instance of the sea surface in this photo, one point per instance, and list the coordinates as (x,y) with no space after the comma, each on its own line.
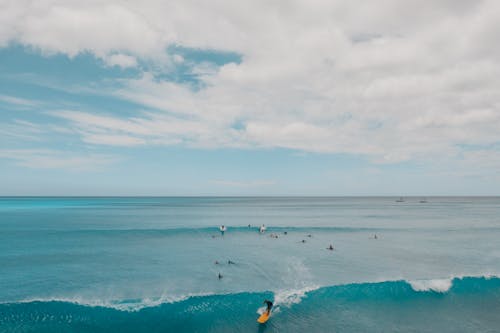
(148,264)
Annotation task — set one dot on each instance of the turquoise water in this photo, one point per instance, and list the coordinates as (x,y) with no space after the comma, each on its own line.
(148,264)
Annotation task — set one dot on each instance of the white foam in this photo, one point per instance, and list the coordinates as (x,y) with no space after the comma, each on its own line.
(437,285)
(287,298)
(489,276)
(130,305)
(444,285)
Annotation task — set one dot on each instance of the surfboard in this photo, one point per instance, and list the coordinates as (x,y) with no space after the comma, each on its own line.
(263,318)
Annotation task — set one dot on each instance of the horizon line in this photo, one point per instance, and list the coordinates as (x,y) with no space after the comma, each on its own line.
(251,196)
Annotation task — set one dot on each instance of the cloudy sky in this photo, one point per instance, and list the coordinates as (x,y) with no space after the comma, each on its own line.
(306,97)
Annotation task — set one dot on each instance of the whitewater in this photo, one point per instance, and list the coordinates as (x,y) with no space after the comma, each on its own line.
(152,264)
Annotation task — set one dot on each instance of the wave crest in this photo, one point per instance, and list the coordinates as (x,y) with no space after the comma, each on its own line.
(437,285)
(289,297)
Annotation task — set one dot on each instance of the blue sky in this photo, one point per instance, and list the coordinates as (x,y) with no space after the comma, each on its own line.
(148,101)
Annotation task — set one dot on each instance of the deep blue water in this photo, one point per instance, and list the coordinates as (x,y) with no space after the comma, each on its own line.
(148,264)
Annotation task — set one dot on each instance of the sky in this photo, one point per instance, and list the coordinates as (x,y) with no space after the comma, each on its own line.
(304,97)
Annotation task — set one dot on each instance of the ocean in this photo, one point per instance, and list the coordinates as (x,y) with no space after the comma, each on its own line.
(152,264)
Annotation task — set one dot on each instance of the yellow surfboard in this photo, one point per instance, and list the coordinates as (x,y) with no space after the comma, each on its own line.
(263,318)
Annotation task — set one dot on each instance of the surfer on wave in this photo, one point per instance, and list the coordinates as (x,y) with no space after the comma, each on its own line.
(269,305)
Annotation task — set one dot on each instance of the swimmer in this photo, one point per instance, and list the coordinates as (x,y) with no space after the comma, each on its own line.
(222,229)
(303,241)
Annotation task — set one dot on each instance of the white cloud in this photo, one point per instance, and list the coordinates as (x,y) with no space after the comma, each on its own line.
(20,130)
(252,183)
(147,129)
(16,101)
(54,159)
(113,140)
(390,80)
(73,27)
(121,60)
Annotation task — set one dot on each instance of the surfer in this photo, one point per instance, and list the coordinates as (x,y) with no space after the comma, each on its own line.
(216,262)
(222,229)
(262,229)
(375,237)
(220,276)
(303,241)
(330,247)
(265,316)
(229,262)
(269,305)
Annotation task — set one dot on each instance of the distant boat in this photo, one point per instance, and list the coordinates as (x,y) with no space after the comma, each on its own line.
(400,199)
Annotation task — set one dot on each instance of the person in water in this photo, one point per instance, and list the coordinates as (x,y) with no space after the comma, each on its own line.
(262,229)
(222,229)
(331,248)
(269,305)
(220,276)
(229,262)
